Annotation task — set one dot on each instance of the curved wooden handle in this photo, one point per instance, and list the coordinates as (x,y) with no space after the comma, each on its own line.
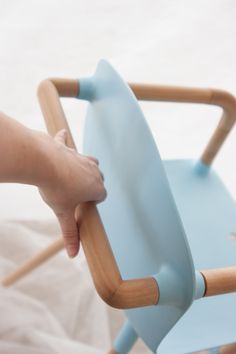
(195,95)
(104,270)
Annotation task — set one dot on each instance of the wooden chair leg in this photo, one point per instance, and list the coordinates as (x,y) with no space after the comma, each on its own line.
(33,262)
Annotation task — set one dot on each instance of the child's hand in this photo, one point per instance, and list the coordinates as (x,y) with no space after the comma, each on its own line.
(77,179)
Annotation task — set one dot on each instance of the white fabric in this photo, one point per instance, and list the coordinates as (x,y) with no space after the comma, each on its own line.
(55,309)
(185,42)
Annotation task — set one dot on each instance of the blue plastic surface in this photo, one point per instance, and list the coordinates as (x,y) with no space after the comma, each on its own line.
(144,227)
(126,339)
(208,213)
(139,215)
(201,169)
(200,286)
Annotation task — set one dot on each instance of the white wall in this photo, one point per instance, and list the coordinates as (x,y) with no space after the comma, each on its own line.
(182,42)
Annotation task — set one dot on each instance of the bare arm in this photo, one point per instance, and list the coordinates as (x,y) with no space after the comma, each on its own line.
(24,154)
(64,177)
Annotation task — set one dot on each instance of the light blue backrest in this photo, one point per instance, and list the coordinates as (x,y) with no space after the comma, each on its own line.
(139,214)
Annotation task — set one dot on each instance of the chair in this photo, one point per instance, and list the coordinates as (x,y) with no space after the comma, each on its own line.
(163,222)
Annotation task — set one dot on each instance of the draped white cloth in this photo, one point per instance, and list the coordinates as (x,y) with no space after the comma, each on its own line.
(55,309)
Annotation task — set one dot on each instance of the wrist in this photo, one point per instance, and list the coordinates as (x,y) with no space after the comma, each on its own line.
(47,156)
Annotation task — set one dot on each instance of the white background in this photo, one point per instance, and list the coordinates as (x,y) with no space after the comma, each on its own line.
(184,42)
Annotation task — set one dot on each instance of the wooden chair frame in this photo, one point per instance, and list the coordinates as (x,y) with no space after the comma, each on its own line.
(111,287)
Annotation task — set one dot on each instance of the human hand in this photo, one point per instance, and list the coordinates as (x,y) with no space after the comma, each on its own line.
(77,179)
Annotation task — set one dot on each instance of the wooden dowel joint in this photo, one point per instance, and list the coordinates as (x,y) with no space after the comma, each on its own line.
(219,281)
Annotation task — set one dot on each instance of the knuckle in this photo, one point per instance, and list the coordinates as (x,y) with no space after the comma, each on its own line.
(69,236)
(70,241)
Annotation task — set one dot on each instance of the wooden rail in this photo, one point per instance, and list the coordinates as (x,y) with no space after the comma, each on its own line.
(104,270)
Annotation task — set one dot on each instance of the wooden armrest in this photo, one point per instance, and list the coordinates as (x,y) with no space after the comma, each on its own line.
(111,287)
(219,281)
(195,95)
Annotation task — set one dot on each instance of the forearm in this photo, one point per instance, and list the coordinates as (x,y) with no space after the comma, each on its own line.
(64,177)
(26,156)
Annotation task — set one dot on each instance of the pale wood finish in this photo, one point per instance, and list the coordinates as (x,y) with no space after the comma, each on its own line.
(195,95)
(228,349)
(53,113)
(103,267)
(106,276)
(34,262)
(219,281)
(105,273)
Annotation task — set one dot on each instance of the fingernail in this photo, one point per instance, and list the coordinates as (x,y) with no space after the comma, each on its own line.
(72,251)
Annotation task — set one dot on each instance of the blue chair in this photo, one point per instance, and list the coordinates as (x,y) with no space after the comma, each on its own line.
(151,206)
(166,221)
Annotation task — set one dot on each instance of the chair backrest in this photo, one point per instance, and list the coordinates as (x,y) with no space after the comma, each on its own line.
(139,215)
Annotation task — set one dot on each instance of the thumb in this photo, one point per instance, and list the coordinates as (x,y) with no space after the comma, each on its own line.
(70,233)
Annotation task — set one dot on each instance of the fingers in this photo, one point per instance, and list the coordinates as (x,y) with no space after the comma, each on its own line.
(70,233)
(102,196)
(93,159)
(86,168)
(61,136)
